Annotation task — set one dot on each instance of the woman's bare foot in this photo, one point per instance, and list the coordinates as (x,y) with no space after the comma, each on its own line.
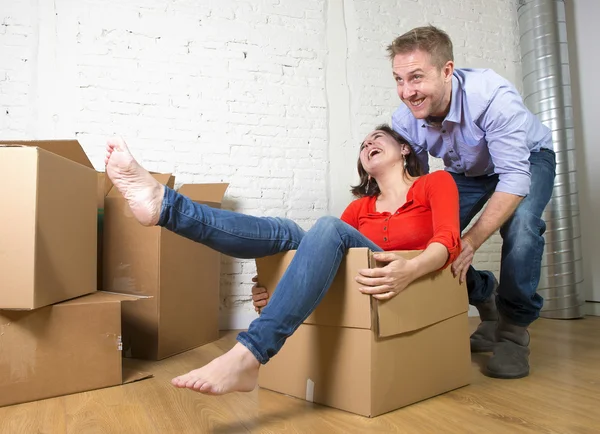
(143,193)
(234,371)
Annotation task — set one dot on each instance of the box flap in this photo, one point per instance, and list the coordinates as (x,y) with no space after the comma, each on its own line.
(70,149)
(428,300)
(132,373)
(66,229)
(414,366)
(107,185)
(18,227)
(105,297)
(104,184)
(164,178)
(204,192)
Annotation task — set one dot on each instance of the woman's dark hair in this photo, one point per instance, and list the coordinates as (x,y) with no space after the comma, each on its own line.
(368,187)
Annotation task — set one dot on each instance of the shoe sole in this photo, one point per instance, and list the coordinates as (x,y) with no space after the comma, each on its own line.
(504,376)
(479,348)
(482,350)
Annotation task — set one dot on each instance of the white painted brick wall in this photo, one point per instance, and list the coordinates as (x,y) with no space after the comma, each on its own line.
(227,90)
(16,42)
(218,91)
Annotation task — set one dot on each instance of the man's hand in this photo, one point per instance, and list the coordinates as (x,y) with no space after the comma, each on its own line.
(499,209)
(388,281)
(260,296)
(461,265)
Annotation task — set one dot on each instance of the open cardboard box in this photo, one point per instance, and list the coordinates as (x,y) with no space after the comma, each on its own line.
(48,232)
(370,357)
(65,348)
(181,276)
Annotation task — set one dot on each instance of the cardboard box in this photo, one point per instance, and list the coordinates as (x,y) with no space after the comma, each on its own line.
(65,348)
(48,232)
(370,357)
(182,277)
(104,186)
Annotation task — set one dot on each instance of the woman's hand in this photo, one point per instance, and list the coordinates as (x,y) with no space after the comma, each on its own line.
(388,281)
(260,296)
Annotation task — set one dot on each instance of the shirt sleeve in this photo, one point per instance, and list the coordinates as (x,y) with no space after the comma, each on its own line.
(442,195)
(504,123)
(350,214)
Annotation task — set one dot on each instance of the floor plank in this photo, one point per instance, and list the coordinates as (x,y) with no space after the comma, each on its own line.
(561,395)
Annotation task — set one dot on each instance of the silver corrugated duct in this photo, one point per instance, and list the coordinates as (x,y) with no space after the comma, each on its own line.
(547,93)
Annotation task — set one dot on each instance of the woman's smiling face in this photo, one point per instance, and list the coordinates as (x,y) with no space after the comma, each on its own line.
(379,150)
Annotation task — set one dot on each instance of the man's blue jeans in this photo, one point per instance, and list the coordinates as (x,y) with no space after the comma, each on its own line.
(523,243)
(319,254)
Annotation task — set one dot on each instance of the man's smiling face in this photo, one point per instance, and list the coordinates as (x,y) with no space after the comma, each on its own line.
(422,86)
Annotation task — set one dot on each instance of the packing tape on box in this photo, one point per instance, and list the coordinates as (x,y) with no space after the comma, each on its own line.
(310,390)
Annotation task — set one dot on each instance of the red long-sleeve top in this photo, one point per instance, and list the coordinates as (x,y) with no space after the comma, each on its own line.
(430,214)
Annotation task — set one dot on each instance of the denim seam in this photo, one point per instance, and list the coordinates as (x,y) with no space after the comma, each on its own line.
(538,259)
(176,209)
(163,212)
(245,342)
(314,306)
(509,315)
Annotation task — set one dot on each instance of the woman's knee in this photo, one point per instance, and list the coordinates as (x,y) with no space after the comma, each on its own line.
(329,222)
(294,230)
(326,226)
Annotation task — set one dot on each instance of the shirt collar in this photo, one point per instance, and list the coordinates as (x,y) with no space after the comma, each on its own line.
(455,105)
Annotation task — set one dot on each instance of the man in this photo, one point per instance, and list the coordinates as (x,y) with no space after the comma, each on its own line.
(499,153)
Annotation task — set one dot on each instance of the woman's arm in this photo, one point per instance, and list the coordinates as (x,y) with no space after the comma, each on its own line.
(388,281)
(442,195)
(433,258)
(443,248)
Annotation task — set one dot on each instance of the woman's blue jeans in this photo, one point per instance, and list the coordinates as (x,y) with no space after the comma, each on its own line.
(319,254)
(523,241)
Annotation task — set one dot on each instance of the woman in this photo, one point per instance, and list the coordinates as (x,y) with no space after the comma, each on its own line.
(398,209)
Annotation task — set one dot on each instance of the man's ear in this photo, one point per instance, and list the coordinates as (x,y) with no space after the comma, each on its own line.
(447,70)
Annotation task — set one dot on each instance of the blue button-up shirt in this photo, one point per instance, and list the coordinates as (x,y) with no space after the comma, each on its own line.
(487,130)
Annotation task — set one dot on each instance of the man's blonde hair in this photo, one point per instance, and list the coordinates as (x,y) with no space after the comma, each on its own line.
(429,39)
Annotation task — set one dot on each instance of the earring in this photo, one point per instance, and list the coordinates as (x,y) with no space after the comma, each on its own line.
(368,184)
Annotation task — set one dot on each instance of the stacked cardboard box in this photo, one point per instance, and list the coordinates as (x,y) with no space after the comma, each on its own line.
(180,278)
(370,357)
(48,254)
(48,236)
(68,238)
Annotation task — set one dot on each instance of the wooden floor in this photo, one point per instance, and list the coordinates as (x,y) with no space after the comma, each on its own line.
(562,395)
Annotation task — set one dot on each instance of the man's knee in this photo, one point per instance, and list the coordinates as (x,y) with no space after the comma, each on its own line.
(523,225)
